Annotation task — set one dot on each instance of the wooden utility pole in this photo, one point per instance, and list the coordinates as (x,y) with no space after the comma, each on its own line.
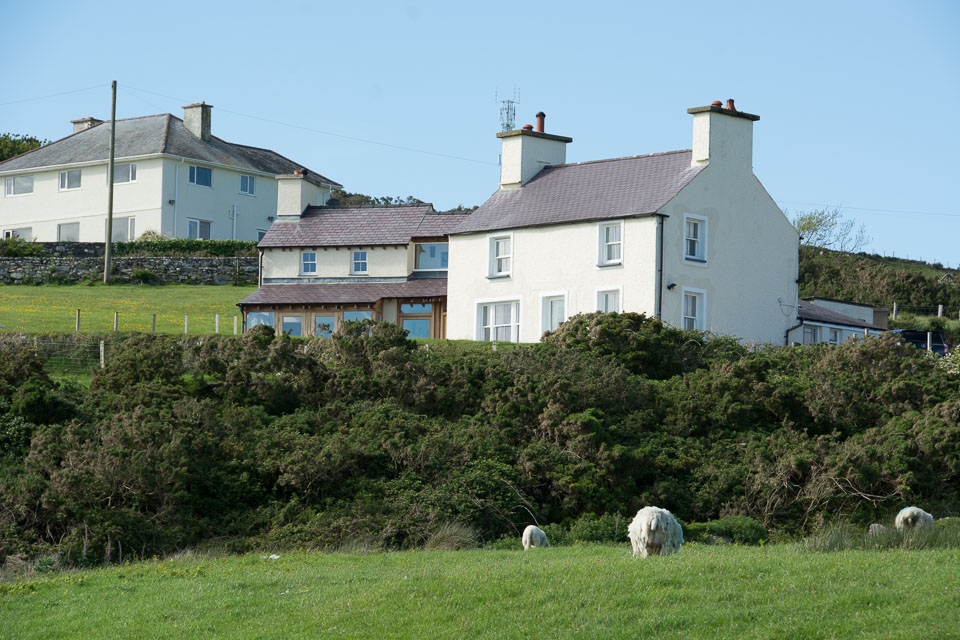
(108,244)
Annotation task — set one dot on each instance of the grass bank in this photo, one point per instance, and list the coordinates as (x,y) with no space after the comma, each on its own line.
(52,308)
(572,592)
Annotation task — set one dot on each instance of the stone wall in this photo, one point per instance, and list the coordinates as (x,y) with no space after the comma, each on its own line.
(185,270)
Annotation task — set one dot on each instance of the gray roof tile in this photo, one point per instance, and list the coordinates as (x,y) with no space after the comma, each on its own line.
(345,292)
(357,226)
(816,313)
(595,190)
(149,135)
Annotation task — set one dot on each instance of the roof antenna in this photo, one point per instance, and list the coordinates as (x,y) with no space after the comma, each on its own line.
(508,110)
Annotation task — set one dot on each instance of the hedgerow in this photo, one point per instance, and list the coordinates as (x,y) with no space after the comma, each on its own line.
(371,439)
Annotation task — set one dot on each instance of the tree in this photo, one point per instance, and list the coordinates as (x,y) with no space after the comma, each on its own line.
(13,144)
(347,199)
(826,229)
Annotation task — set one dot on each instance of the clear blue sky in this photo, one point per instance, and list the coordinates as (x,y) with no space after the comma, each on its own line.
(858,101)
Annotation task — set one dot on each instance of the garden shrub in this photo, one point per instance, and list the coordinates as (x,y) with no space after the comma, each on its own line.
(739,529)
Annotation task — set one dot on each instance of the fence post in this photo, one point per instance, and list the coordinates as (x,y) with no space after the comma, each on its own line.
(234,325)
(186,323)
(216,323)
(939,310)
(102,359)
(894,310)
(154,323)
(116,319)
(78,321)
(929,341)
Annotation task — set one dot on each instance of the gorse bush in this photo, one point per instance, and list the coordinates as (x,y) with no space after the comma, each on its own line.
(15,247)
(739,529)
(368,436)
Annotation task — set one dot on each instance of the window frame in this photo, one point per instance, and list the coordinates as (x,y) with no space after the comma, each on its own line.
(198,222)
(416,255)
(603,244)
(492,270)
(304,262)
(129,224)
(545,299)
(602,291)
(297,316)
(700,320)
(10,185)
(193,175)
(251,184)
(833,335)
(131,173)
(354,261)
(699,259)
(65,178)
(480,328)
(273,320)
(60,226)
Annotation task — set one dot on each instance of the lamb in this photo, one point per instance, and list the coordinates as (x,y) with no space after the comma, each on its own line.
(654,531)
(911,518)
(534,536)
(877,529)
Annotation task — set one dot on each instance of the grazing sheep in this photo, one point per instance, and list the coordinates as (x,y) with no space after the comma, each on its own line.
(654,531)
(534,536)
(911,518)
(877,529)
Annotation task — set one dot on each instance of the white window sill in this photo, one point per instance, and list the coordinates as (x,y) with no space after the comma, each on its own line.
(499,276)
(18,195)
(66,190)
(700,262)
(204,186)
(610,265)
(244,193)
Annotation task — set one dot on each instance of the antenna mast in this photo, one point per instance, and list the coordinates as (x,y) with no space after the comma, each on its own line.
(508,110)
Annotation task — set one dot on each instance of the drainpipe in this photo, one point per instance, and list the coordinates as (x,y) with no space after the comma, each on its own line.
(234,216)
(658,306)
(259,268)
(176,196)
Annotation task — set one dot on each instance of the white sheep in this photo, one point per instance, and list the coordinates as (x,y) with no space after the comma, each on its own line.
(911,518)
(654,531)
(534,536)
(877,529)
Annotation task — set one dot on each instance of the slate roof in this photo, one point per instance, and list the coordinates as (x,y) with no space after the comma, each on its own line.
(597,190)
(150,135)
(815,313)
(361,226)
(345,292)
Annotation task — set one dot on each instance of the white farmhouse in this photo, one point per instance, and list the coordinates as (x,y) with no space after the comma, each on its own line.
(171,175)
(690,237)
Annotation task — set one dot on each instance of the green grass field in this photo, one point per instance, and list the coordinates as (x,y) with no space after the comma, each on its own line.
(52,308)
(564,592)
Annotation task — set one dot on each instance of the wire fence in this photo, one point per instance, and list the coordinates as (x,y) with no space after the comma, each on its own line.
(65,354)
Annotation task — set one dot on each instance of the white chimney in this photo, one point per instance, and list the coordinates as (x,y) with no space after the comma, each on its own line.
(525,152)
(723,136)
(295,192)
(196,118)
(84,123)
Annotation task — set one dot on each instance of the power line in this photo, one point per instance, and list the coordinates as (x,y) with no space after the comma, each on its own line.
(54,95)
(840,206)
(327,133)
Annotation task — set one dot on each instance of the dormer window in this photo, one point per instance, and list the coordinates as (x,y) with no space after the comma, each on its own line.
(430,256)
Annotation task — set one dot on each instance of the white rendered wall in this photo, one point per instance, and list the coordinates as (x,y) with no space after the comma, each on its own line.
(382,262)
(47,207)
(160,180)
(549,261)
(215,203)
(751,269)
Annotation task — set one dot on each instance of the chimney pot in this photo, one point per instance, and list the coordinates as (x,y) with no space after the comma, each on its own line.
(528,127)
(541,116)
(730,106)
(85,123)
(716,103)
